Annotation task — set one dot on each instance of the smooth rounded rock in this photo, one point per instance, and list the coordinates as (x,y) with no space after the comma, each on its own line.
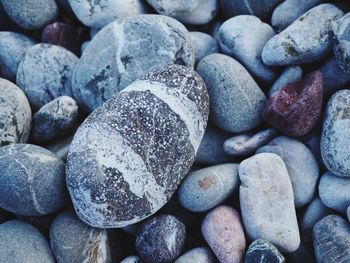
(262,251)
(290,74)
(198,255)
(131,259)
(203,44)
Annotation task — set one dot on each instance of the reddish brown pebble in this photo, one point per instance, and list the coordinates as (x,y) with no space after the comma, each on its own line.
(296,108)
(223,231)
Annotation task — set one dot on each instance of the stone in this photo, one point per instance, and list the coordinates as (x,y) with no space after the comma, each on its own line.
(55,119)
(305,40)
(236,101)
(129,156)
(262,251)
(84,46)
(267,203)
(198,255)
(223,231)
(32,180)
(336,134)
(15,114)
(31,15)
(131,259)
(332,240)
(21,242)
(161,239)
(60,147)
(203,44)
(348,213)
(296,108)
(129,48)
(312,141)
(243,37)
(13,47)
(290,74)
(206,188)
(45,73)
(301,165)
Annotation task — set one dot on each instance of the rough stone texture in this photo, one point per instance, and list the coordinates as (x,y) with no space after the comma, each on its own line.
(262,251)
(332,240)
(45,73)
(161,239)
(236,101)
(341,42)
(203,44)
(15,114)
(206,188)
(266,199)
(296,108)
(32,180)
(198,255)
(129,156)
(131,259)
(290,74)
(305,40)
(336,134)
(124,50)
(223,231)
(243,37)
(21,242)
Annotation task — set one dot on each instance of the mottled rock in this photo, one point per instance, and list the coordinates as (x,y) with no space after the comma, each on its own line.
(262,251)
(290,74)
(198,255)
(131,259)
(203,44)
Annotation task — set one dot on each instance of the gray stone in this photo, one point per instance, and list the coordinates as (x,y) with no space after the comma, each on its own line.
(131,259)
(290,74)
(262,251)
(336,134)
(203,44)
(45,73)
(126,49)
(243,37)
(348,213)
(341,42)
(305,40)
(236,101)
(198,255)
(266,199)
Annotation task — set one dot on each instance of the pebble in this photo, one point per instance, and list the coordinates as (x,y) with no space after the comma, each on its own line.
(243,37)
(222,229)
(13,47)
(236,101)
(31,15)
(296,108)
(84,46)
(262,251)
(206,188)
(312,141)
(32,180)
(156,137)
(161,239)
(55,119)
(335,192)
(45,73)
(132,259)
(301,165)
(348,213)
(198,255)
(332,240)
(290,74)
(247,143)
(305,40)
(336,134)
(267,203)
(15,114)
(21,242)
(129,48)
(203,44)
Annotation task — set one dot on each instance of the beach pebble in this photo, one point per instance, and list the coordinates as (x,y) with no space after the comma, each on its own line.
(45,73)
(32,180)
(126,49)
(243,37)
(161,239)
(305,40)
(15,114)
(336,134)
(236,101)
(267,203)
(290,74)
(296,108)
(203,44)
(198,255)
(206,188)
(21,242)
(261,251)
(223,231)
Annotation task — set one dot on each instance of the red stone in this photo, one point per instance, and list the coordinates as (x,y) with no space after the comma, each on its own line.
(296,108)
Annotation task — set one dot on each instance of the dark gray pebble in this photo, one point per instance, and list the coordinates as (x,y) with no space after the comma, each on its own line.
(262,251)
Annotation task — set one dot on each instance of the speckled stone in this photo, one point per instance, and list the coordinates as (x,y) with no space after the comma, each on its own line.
(129,156)
(203,44)
(15,114)
(332,240)
(198,255)
(236,101)
(290,74)
(32,180)
(131,259)
(305,40)
(262,251)
(161,239)
(21,242)
(243,37)
(223,231)
(45,73)
(267,203)
(31,15)
(206,188)
(336,134)
(129,48)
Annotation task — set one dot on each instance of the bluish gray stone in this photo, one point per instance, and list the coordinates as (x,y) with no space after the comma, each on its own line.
(84,46)
(262,251)
(198,255)
(290,74)
(131,259)
(203,44)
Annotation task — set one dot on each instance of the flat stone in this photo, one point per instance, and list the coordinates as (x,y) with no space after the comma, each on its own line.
(262,251)
(203,44)
(290,74)
(198,255)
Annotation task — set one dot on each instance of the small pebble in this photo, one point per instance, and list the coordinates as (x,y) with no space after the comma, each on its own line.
(203,44)
(290,74)
(198,255)
(262,251)
(131,259)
